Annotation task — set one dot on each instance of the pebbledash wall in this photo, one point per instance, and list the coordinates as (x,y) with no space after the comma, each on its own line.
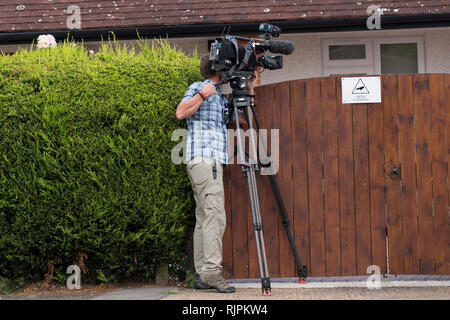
(307,61)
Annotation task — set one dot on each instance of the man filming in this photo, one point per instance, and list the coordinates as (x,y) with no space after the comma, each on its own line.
(204,108)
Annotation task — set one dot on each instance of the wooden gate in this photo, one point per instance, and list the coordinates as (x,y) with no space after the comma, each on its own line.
(337,175)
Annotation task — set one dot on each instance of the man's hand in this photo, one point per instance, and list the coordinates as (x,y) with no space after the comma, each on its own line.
(188,107)
(209,89)
(252,81)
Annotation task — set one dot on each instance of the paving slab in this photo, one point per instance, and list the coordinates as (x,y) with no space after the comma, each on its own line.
(154,293)
(345,284)
(338,288)
(349,293)
(148,293)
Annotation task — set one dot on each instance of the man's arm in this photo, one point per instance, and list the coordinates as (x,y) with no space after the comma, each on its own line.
(189,106)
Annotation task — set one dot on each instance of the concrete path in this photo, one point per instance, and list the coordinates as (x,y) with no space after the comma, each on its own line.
(149,293)
(282,290)
(154,293)
(349,293)
(345,284)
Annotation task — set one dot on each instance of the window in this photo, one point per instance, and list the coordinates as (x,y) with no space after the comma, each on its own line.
(372,56)
(398,58)
(347,56)
(399,55)
(346,51)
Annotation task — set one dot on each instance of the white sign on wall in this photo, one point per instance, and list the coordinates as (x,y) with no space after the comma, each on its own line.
(361,90)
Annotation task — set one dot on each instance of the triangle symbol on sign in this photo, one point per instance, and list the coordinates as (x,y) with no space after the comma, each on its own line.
(360,88)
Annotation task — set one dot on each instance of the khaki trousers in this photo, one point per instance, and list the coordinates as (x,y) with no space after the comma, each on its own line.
(209,213)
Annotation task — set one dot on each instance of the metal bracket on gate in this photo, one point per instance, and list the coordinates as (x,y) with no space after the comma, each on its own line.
(395,173)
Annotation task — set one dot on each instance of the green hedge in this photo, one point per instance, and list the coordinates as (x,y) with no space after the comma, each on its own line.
(86,176)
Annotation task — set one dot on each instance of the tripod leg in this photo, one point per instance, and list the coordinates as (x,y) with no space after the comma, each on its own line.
(249,169)
(257,225)
(302,269)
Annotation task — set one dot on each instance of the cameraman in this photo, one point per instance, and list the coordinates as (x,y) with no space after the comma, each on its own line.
(203,106)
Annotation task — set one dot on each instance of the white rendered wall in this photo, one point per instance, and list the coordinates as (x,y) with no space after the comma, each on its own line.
(306,61)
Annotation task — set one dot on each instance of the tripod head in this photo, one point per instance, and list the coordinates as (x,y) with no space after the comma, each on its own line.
(238,80)
(239,86)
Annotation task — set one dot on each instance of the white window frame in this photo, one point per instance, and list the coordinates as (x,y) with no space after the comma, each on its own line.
(377,42)
(345,71)
(371,65)
(354,66)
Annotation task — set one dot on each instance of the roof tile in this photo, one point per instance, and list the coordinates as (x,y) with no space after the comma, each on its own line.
(31,15)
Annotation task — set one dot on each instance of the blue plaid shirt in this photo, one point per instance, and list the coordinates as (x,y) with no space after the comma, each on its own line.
(207,131)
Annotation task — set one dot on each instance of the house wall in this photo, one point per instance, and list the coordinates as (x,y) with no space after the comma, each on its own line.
(306,61)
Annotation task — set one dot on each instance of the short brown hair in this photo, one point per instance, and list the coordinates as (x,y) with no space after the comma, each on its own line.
(205,67)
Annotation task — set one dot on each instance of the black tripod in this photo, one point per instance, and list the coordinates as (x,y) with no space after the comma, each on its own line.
(242,101)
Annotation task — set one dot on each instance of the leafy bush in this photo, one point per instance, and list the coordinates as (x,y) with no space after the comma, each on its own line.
(86,176)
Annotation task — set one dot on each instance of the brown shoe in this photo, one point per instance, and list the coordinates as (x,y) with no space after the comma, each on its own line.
(200,284)
(218,282)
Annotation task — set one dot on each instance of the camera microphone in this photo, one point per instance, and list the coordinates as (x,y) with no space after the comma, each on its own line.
(277,46)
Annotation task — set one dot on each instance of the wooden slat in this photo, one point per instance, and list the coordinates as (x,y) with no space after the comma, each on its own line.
(331,177)
(227,241)
(315,183)
(300,221)
(424,187)
(361,175)
(391,142)
(439,170)
(284,176)
(377,186)
(283,117)
(446,268)
(269,213)
(346,185)
(408,175)
(240,211)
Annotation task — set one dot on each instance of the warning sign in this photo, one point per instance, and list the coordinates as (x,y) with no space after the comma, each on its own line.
(361,90)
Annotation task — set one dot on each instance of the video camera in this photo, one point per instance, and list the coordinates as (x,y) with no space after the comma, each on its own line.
(233,59)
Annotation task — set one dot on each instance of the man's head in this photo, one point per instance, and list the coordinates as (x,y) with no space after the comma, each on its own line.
(205,67)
